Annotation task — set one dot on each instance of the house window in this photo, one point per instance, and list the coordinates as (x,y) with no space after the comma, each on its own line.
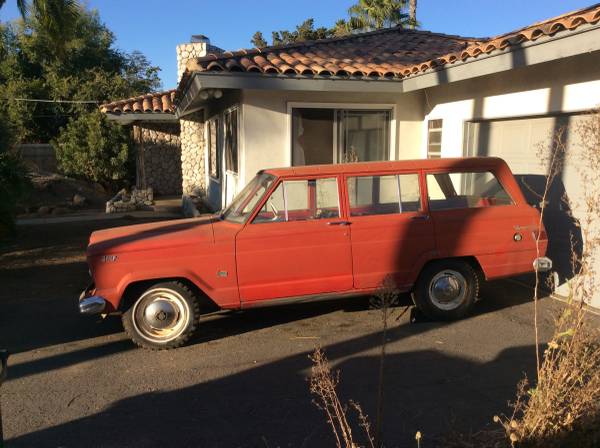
(213,148)
(324,135)
(434,139)
(230,140)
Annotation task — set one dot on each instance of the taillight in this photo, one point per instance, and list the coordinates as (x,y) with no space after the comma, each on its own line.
(542,234)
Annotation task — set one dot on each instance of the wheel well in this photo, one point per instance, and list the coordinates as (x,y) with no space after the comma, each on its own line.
(135,289)
(471,260)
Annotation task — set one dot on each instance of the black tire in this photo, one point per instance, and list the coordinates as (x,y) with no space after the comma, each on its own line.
(163,317)
(447,289)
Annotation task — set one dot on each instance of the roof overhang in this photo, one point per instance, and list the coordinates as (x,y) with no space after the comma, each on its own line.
(585,39)
(133,118)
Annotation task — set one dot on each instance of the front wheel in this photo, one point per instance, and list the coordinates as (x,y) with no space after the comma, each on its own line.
(165,316)
(447,289)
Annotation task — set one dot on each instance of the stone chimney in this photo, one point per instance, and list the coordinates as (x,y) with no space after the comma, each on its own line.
(198,47)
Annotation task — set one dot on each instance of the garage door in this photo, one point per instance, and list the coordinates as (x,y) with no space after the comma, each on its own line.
(521,142)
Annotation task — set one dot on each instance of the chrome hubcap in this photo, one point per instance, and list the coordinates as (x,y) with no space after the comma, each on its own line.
(160,315)
(448,289)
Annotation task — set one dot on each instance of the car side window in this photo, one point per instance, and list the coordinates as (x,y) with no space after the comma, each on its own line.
(384,195)
(448,191)
(301,200)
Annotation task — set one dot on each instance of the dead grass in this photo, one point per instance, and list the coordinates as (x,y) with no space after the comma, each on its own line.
(561,407)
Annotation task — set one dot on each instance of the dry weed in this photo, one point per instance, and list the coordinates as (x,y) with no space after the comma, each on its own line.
(562,408)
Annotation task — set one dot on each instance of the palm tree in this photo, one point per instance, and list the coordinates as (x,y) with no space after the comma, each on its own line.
(55,17)
(412,13)
(369,15)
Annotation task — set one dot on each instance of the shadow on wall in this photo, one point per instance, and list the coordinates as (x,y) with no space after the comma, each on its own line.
(564,232)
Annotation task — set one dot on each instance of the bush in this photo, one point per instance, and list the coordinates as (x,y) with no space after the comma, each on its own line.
(14,182)
(92,148)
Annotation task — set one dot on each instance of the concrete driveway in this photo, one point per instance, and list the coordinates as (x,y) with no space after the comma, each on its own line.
(242,382)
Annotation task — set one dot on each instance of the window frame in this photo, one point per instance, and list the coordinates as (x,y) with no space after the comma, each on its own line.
(391,107)
(217,119)
(456,171)
(430,130)
(422,204)
(341,201)
(223,115)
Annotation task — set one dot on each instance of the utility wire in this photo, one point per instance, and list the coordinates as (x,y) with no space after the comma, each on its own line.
(50,101)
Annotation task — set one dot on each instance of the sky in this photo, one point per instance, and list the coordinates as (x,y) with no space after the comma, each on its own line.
(155,27)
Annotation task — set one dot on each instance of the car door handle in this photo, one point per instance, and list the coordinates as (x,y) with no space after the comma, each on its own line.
(420,218)
(339,223)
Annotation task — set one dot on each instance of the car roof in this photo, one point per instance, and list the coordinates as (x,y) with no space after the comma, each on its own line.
(417,164)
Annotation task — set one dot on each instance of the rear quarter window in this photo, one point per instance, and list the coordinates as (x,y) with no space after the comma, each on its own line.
(465,190)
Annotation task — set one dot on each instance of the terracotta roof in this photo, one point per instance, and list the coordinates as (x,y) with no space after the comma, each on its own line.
(377,54)
(391,53)
(158,103)
(549,27)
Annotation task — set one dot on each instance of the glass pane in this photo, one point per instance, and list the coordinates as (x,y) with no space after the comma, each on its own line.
(434,124)
(363,135)
(243,204)
(465,190)
(301,200)
(312,136)
(410,192)
(373,195)
(435,137)
(274,208)
(230,141)
(327,198)
(213,148)
(296,195)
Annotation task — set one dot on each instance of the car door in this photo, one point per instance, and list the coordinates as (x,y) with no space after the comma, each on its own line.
(392,234)
(474,215)
(297,244)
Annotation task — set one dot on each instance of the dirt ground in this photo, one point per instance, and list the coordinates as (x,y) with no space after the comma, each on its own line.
(242,382)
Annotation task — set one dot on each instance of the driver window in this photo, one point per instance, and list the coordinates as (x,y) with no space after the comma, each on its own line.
(301,200)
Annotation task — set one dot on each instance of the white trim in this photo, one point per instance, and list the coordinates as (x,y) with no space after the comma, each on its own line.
(348,106)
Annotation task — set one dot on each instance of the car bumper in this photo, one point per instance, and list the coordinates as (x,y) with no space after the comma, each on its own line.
(89,305)
(542,264)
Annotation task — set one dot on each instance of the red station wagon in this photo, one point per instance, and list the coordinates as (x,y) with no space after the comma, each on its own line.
(435,227)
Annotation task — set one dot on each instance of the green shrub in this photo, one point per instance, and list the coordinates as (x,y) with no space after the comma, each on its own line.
(14,182)
(92,148)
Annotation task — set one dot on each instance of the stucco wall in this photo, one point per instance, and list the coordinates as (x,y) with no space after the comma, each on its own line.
(266,124)
(571,85)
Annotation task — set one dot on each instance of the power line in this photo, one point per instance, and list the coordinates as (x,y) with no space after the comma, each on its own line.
(32,100)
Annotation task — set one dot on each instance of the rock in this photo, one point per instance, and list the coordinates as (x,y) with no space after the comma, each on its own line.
(59,211)
(79,200)
(44,210)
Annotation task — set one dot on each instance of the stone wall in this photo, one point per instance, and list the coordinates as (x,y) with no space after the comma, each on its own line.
(159,157)
(192,155)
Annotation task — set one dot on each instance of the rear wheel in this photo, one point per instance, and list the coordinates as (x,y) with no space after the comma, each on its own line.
(164,316)
(447,289)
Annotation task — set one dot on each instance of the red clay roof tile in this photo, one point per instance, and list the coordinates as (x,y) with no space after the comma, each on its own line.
(159,102)
(389,53)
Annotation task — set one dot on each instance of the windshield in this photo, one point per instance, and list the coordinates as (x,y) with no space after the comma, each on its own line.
(243,204)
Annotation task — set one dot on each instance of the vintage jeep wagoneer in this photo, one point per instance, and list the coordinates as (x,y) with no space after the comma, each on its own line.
(435,227)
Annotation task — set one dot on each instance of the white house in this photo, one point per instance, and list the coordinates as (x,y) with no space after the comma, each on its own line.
(387,94)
